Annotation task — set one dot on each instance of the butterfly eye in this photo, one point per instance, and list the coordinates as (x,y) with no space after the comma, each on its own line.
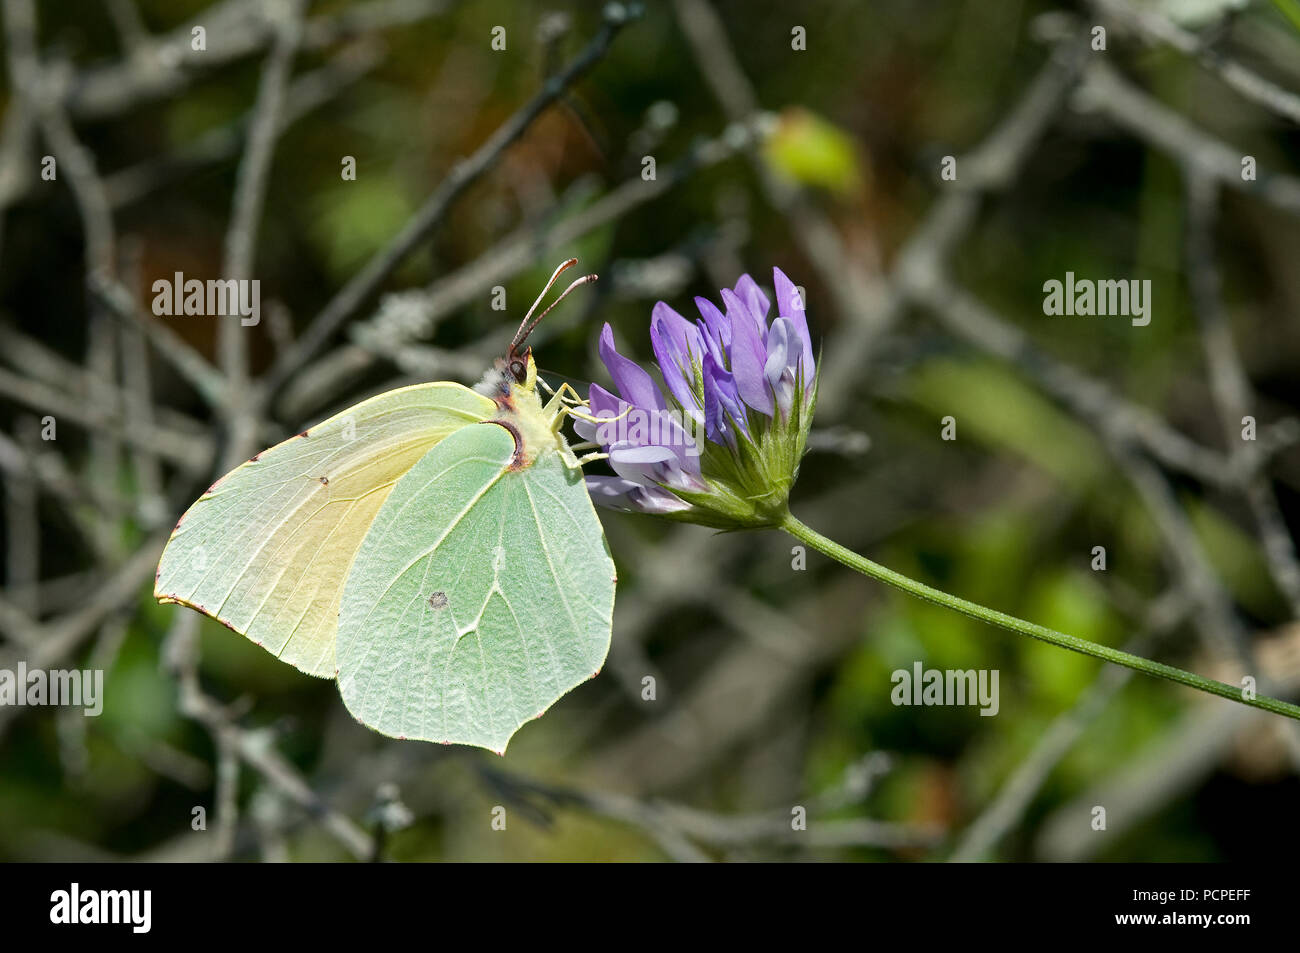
(518,371)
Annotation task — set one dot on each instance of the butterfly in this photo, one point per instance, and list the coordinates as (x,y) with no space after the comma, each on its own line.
(432,548)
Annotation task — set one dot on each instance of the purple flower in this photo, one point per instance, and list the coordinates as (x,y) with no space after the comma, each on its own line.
(739,396)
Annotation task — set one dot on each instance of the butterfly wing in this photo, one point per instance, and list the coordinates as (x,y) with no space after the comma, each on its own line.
(480,596)
(267,548)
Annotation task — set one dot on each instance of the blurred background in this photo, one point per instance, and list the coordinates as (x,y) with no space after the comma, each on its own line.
(672,149)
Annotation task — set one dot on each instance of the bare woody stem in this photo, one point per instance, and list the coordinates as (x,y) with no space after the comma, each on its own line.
(865,566)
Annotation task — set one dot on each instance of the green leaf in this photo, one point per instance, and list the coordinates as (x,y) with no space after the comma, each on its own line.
(481,595)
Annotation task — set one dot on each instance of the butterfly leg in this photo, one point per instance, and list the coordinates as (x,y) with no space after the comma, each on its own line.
(576,462)
(566,392)
(564,397)
(568,411)
(568,403)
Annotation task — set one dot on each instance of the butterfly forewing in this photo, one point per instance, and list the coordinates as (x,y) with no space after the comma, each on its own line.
(267,549)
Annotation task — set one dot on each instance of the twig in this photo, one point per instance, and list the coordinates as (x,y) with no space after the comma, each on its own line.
(1106,92)
(166,65)
(22,541)
(16,138)
(255,750)
(507,258)
(138,405)
(1014,797)
(1093,401)
(860,297)
(368,280)
(188,362)
(227,813)
(676,828)
(1231,386)
(60,636)
(1175,763)
(49,471)
(191,451)
(130,27)
(308,92)
(251,181)
(87,188)
(1154,28)
(241,237)
(41,363)
(991,167)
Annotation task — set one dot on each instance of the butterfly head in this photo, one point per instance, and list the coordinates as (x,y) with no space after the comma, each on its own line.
(517,369)
(521,369)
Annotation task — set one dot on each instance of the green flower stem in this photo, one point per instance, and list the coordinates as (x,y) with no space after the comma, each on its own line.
(865,566)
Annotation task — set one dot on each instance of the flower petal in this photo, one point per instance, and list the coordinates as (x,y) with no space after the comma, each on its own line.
(635,385)
(628,427)
(748,357)
(651,465)
(600,403)
(782,356)
(603,403)
(676,363)
(685,335)
(617,493)
(748,291)
(738,312)
(717,323)
(790,305)
(723,411)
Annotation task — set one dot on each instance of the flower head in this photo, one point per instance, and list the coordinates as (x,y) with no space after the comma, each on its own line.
(720,444)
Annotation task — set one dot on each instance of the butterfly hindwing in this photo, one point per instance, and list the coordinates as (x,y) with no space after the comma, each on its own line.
(267,548)
(481,594)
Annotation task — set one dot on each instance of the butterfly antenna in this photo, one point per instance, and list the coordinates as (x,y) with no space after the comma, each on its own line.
(526,328)
(522,333)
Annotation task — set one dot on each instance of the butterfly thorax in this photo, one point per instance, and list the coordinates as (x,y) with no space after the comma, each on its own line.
(520,411)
